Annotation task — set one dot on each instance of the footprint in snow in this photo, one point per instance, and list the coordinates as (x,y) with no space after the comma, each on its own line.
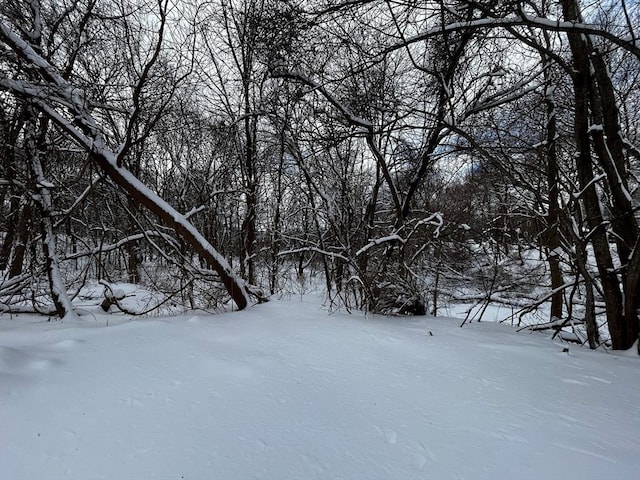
(388,435)
(423,456)
(597,379)
(66,344)
(40,365)
(132,402)
(16,361)
(574,382)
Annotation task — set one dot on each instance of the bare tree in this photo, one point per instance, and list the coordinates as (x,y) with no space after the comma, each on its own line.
(73,112)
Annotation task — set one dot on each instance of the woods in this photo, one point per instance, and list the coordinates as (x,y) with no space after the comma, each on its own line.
(403,155)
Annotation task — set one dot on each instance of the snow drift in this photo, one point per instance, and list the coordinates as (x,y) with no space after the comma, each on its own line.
(287,391)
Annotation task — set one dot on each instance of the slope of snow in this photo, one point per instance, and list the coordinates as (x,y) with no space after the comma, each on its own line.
(286,391)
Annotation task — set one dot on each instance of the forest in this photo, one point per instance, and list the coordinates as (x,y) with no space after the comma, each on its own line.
(400,155)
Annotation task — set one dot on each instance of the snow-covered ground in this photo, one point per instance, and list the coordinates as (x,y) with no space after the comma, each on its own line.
(286,391)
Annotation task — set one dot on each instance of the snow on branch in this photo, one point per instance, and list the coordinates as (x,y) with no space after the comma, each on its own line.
(326,253)
(13,285)
(80,198)
(514,92)
(120,243)
(632,45)
(379,241)
(433,219)
(341,107)
(631,147)
(354,120)
(579,194)
(84,130)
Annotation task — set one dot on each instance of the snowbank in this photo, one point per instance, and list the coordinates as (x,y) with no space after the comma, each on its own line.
(286,391)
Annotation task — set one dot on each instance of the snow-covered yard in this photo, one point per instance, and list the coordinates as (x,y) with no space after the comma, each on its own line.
(287,391)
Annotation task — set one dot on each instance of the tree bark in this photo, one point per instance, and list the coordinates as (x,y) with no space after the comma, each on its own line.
(57,288)
(582,79)
(552,234)
(609,147)
(23,232)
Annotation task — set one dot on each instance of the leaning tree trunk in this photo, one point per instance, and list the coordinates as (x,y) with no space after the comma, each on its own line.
(83,129)
(106,160)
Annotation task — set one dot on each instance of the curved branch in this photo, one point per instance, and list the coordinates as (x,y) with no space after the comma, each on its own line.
(632,44)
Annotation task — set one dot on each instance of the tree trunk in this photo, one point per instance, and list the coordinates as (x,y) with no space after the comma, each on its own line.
(589,196)
(141,194)
(593,335)
(276,237)
(552,234)
(23,233)
(632,297)
(251,195)
(13,219)
(11,229)
(84,130)
(610,149)
(57,288)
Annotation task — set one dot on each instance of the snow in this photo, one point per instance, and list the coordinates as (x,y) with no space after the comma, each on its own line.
(628,43)
(285,390)
(379,241)
(73,98)
(342,107)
